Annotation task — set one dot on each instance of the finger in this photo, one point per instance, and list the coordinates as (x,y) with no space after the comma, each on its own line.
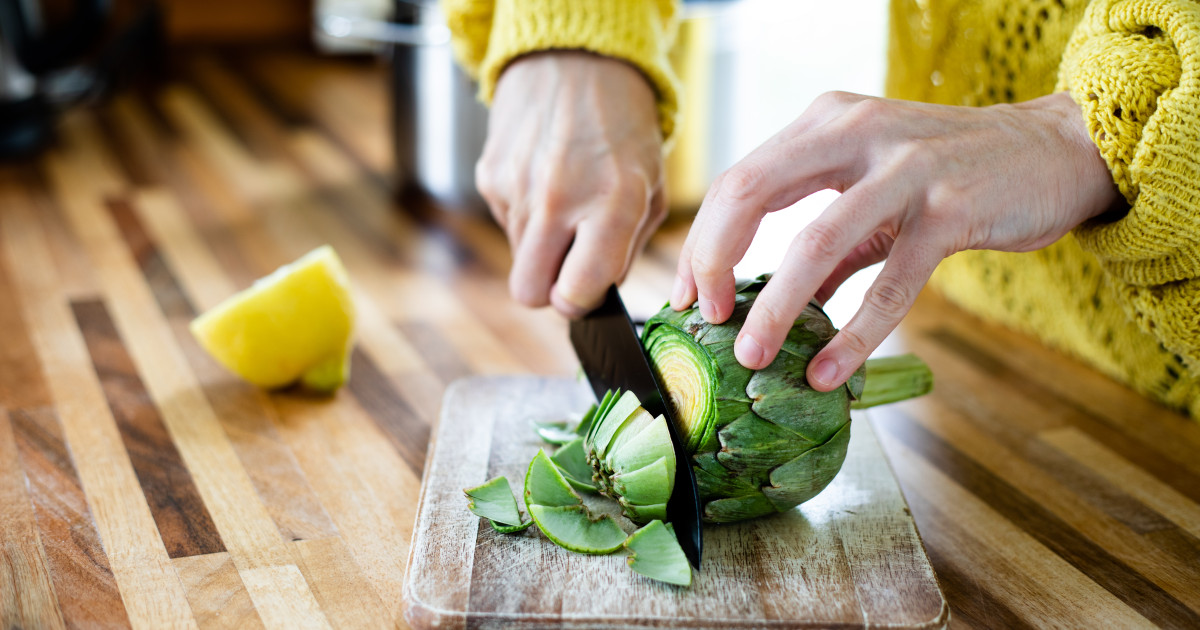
(683,295)
(489,187)
(874,250)
(647,228)
(780,148)
(536,260)
(810,259)
(598,258)
(887,301)
(771,178)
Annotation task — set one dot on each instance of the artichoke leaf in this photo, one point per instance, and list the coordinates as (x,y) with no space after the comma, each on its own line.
(782,396)
(573,528)
(751,443)
(556,433)
(646,485)
(572,463)
(655,553)
(807,475)
(545,485)
(738,508)
(494,501)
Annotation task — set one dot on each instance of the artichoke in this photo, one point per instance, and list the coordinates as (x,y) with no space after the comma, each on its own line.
(763,441)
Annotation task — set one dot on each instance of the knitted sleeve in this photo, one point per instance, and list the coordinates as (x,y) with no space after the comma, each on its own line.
(1134,68)
(489,34)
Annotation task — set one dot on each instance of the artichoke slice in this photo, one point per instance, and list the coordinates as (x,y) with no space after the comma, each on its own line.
(544,485)
(655,553)
(645,485)
(572,463)
(632,458)
(613,419)
(556,433)
(494,501)
(572,527)
(585,423)
(692,375)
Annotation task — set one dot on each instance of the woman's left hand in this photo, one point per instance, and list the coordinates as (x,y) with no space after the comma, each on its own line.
(919,182)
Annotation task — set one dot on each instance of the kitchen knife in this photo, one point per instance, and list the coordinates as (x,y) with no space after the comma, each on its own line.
(612,357)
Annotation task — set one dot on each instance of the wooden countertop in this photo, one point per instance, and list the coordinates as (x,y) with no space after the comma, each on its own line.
(141,485)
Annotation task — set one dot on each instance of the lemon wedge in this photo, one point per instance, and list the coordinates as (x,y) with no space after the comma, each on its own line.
(296,324)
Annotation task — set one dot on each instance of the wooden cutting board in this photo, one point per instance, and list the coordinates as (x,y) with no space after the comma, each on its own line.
(851,557)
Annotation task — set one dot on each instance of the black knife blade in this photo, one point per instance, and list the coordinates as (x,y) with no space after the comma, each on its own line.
(612,357)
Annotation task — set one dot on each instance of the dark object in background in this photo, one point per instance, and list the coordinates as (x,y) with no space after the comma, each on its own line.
(48,65)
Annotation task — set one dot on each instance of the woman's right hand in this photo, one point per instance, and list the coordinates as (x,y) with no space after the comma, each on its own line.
(572,170)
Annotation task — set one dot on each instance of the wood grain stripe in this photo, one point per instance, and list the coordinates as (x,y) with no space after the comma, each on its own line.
(369,492)
(1118,471)
(216,593)
(151,591)
(1129,585)
(443,359)
(339,585)
(162,282)
(183,520)
(244,412)
(87,591)
(1020,571)
(1179,477)
(405,430)
(1003,417)
(27,597)
(975,606)
(243,522)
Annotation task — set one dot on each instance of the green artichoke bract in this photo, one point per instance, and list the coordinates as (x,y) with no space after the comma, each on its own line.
(762,441)
(631,456)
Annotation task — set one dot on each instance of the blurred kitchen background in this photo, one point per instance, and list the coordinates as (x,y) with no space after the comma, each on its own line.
(749,67)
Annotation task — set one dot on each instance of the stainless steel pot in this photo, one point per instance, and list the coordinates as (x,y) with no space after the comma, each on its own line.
(438,124)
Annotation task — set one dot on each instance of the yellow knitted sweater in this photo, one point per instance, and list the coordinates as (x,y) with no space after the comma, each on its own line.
(1121,293)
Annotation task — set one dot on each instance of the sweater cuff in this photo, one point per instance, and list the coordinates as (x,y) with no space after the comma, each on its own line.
(1133,66)
(636,31)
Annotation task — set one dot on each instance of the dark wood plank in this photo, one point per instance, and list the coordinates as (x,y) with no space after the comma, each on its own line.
(83,580)
(446,363)
(27,598)
(1146,456)
(402,425)
(183,520)
(1138,592)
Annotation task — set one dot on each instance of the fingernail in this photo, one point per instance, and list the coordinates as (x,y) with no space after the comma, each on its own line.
(677,293)
(748,351)
(824,371)
(708,309)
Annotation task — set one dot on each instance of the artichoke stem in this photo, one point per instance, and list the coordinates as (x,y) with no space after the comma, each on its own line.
(891,379)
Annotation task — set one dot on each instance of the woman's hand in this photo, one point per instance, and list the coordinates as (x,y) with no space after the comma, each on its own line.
(919,182)
(572,169)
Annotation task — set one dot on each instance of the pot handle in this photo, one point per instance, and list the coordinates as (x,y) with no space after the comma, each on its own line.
(342,27)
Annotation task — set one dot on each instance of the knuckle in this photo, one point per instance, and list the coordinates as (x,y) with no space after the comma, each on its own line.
(485,179)
(891,299)
(835,98)
(854,342)
(866,114)
(916,156)
(819,241)
(771,315)
(553,199)
(742,183)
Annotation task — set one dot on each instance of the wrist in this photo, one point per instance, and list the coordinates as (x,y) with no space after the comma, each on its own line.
(1097,192)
